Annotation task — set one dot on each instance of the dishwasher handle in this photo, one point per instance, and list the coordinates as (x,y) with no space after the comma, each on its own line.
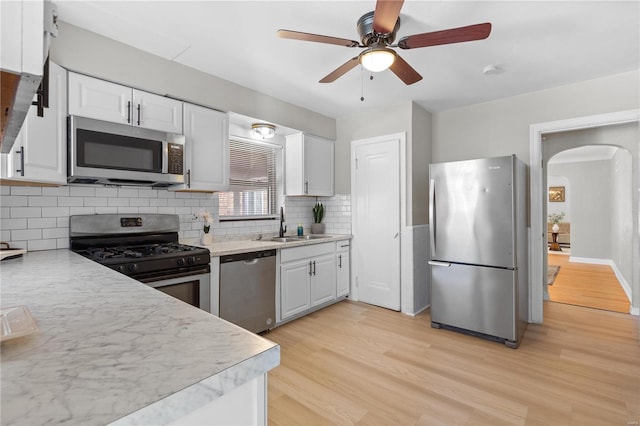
(248,258)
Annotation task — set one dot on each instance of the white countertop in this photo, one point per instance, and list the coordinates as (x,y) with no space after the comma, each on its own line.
(221,248)
(111,349)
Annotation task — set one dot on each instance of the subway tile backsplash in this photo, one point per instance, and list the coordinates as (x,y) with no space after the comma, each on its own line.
(37,218)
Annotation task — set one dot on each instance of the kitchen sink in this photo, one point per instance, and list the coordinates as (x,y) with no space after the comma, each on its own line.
(284,239)
(312,237)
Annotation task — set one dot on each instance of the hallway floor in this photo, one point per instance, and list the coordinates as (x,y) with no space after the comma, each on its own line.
(592,286)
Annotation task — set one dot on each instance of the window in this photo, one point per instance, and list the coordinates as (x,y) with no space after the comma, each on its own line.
(253,173)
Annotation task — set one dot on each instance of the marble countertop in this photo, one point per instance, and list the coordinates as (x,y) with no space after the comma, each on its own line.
(221,248)
(111,349)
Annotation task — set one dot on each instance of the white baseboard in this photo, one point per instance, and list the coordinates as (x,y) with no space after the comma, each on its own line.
(623,283)
(419,310)
(635,311)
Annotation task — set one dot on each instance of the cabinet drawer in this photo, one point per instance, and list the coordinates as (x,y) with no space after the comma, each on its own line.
(296,253)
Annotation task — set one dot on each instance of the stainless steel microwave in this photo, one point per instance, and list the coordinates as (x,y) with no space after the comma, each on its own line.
(101,152)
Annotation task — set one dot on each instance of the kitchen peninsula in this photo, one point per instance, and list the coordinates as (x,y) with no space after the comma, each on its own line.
(111,349)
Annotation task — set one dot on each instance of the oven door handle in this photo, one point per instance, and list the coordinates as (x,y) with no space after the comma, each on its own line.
(160,280)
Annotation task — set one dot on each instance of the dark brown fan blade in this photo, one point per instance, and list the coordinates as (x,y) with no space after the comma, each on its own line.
(296,35)
(404,71)
(453,35)
(386,15)
(340,71)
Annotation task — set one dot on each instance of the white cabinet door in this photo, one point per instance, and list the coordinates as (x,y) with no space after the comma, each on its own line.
(157,112)
(295,287)
(309,165)
(39,154)
(323,280)
(343,270)
(318,165)
(99,99)
(206,134)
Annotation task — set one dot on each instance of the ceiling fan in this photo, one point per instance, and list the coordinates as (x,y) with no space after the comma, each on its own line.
(378,31)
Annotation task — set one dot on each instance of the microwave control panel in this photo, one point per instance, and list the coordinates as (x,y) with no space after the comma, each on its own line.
(176,159)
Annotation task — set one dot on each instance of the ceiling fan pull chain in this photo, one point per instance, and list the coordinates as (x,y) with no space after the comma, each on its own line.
(361,83)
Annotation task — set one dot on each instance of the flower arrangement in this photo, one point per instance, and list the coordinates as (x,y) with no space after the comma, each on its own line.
(318,213)
(206,216)
(556,218)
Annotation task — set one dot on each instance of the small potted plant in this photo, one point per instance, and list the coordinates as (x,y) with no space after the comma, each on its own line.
(556,218)
(207,236)
(318,213)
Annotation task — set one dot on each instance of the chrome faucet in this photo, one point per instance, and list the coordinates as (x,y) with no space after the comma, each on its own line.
(283,227)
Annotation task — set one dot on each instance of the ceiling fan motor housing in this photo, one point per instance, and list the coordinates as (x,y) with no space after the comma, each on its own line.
(369,37)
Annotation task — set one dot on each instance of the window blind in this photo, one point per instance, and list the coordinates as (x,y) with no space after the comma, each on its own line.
(252,180)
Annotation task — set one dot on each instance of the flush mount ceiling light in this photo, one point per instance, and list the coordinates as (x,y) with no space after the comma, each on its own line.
(263,130)
(378,58)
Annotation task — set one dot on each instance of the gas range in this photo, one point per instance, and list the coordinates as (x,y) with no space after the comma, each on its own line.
(146,248)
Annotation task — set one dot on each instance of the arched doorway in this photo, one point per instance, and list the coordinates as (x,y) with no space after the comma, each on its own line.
(595,234)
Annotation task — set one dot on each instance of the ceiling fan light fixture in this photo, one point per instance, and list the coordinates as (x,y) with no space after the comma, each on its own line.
(377,59)
(263,130)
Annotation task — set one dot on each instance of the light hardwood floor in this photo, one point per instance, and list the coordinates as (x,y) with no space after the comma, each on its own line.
(593,286)
(353,363)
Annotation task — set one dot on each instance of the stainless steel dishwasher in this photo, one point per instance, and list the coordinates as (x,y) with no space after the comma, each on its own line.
(248,289)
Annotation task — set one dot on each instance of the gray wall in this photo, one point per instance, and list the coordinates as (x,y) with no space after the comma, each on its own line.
(590,200)
(621,217)
(89,53)
(501,127)
(407,118)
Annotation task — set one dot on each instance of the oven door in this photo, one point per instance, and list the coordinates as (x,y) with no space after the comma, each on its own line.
(193,287)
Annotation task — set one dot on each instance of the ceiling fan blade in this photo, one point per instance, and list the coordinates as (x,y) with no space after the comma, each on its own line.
(386,15)
(341,70)
(453,35)
(296,35)
(404,71)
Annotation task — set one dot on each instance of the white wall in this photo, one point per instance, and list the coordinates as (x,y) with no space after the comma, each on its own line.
(559,206)
(591,206)
(621,217)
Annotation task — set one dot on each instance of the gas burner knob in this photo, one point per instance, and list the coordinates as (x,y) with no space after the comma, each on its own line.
(120,269)
(191,260)
(181,261)
(133,267)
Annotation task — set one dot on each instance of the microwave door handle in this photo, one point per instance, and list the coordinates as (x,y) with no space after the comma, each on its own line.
(165,157)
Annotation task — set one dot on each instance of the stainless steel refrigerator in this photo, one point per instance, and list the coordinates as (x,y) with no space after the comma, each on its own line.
(478,233)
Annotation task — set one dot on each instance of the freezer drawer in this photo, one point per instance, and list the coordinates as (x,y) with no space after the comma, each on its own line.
(476,298)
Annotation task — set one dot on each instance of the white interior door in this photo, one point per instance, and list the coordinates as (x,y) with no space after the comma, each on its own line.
(377,222)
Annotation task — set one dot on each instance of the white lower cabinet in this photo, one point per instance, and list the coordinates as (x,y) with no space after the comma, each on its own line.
(343,268)
(310,277)
(295,287)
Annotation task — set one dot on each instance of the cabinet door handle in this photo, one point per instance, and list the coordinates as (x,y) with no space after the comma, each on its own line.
(189,178)
(129,112)
(138,114)
(306,186)
(310,269)
(340,261)
(21,169)
(314,267)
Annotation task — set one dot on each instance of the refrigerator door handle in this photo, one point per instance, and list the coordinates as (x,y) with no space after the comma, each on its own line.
(432,215)
(436,263)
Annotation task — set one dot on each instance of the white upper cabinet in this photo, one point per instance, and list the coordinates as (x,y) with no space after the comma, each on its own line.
(206,134)
(309,165)
(94,98)
(39,154)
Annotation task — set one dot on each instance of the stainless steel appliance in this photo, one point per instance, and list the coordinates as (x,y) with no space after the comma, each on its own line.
(478,236)
(248,289)
(145,247)
(117,154)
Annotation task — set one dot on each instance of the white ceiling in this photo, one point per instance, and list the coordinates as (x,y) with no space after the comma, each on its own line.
(536,44)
